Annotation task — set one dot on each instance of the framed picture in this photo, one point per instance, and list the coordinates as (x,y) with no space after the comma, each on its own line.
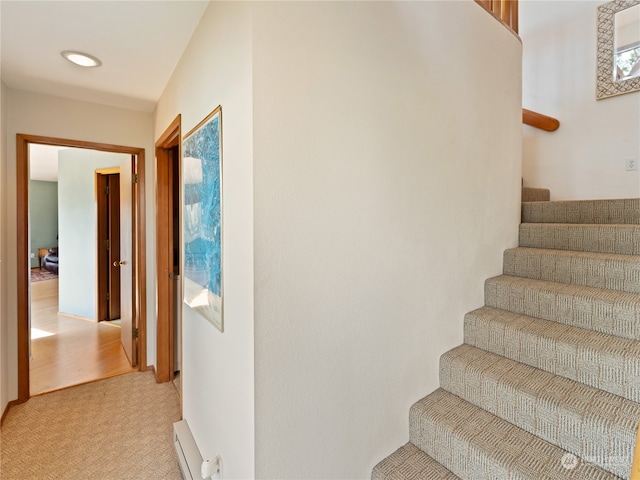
(202,218)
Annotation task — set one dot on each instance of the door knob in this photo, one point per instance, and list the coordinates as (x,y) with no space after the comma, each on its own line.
(120,263)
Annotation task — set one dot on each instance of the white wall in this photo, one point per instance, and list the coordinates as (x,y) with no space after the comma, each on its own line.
(585,158)
(387,164)
(217,370)
(380,200)
(77,226)
(36,114)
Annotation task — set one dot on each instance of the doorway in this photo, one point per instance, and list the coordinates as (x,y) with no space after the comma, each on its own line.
(68,345)
(135,334)
(168,253)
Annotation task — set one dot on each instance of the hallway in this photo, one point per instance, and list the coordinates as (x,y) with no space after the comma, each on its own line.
(115,429)
(68,351)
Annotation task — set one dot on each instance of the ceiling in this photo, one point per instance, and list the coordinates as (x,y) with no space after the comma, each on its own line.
(43,162)
(138,42)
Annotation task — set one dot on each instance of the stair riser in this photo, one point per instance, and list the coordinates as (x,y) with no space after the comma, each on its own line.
(601,361)
(530,194)
(614,272)
(619,239)
(475,444)
(545,405)
(624,211)
(578,306)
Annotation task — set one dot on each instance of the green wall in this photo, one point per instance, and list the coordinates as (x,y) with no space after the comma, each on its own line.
(43,216)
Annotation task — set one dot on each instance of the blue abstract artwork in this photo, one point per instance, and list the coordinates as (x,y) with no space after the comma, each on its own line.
(202,218)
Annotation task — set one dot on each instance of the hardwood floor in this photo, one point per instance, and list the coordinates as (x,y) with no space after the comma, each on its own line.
(67,351)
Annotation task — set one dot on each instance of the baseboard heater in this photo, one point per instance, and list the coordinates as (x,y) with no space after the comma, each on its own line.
(187,451)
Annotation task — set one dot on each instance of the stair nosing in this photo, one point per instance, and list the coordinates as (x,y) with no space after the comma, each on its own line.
(560,251)
(595,291)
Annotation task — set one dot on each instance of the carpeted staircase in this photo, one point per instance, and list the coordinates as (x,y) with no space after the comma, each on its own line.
(547,383)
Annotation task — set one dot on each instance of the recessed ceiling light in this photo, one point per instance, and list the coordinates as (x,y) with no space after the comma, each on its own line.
(82,59)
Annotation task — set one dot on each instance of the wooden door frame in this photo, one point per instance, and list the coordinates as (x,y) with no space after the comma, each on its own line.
(164,253)
(22,208)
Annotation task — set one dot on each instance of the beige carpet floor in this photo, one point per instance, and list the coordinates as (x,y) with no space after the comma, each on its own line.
(115,429)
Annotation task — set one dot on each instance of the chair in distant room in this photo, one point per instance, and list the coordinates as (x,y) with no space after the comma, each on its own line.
(51,260)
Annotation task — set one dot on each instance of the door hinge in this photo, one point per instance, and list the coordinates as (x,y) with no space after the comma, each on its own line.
(135,178)
(106,244)
(107,296)
(135,332)
(106,190)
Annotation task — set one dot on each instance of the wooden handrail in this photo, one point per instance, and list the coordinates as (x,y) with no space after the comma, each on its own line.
(539,120)
(504,10)
(507,12)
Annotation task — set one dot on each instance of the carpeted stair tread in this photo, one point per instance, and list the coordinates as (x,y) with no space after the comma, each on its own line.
(550,370)
(625,211)
(475,444)
(598,238)
(598,270)
(531,194)
(410,463)
(564,412)
(601,361)
(606,311)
